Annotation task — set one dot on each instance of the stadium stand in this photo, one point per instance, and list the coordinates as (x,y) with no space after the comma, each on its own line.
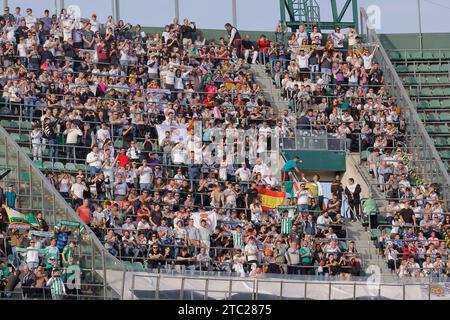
(108,115)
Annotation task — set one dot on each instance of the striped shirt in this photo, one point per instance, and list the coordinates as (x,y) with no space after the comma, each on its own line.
(56,287)
(238,239)
(286,225)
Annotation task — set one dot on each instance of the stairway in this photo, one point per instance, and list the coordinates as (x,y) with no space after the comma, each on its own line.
(272,93)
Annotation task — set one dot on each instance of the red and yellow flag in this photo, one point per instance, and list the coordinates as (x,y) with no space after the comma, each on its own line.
(270,199)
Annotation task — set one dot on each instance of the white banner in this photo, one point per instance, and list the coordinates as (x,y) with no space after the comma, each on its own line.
(177,133)
(209,216)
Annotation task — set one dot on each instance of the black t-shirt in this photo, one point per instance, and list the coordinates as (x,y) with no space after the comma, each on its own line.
(252,194)
(156,217)
(247,44)
(407,215)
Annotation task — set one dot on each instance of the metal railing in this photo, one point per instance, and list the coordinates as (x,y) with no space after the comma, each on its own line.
(196,286)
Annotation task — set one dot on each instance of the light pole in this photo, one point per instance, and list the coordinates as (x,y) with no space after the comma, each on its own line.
(234,9)
(177,9)
(420,25)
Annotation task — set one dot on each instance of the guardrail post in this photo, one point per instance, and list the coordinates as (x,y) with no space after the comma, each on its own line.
(132,285)
(158,279)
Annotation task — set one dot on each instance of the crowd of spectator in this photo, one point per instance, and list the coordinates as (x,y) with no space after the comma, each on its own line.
(96,92)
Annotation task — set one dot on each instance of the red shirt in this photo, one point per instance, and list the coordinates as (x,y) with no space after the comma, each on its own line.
(123,160)
(85,214)
(263,45)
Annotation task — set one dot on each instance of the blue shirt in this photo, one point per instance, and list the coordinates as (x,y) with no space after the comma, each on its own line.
(290,165)
(61,239)
(10,199)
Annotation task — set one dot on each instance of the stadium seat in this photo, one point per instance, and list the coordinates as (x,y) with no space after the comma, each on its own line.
(401,68)
(435,68)
(446,92)
(81,166)
(14,124)
(415,55)
(118,144)
(444,67)
(432,117)
(70,167)
(423,105)
(25,138)
(25,125)
(137,266)
(443,80)
(412,68)
(413,92)
(422,117)
(444,116)
(128,265)
(15,137)
(426,92)
(48,165)
(38,164)
(432,80)
(394,55)
(423,68)
(5,124)
(429,55)
(438,92)
(59,166)
(435,104)
(443,129)
(446,104)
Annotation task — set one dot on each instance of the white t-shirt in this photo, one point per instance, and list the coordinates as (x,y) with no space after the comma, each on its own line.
(367,61)
(302,197)
(77,189)
(22,49)
(251,248)
(244,174)
(147,175)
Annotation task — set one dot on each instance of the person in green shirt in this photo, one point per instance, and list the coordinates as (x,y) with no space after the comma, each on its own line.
(306,255)
(52,252)
(68,252)
(289,166)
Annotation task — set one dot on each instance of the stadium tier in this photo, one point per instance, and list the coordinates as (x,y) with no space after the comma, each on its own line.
(134,159)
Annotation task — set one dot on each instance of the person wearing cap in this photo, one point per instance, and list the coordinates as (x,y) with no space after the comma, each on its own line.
(95,25)
(56,285)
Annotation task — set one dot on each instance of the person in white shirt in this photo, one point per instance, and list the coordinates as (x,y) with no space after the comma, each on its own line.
(95,25)
(367,58)
(338,38)
(303,195)
(103,134)
(29,19)
(72,135)
(261,168)
(315,33)
(316,181)
(301,34)
(77,190)
(94,161)
(251,251)
(145,176)
(243,175)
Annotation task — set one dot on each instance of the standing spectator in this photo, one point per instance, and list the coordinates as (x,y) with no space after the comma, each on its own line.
(11,197)
(56,285)
(84,212)
(353,191)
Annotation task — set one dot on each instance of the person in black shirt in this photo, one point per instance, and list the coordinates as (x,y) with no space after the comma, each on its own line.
(408,214)
(187,32)
(249,49)
(50,135)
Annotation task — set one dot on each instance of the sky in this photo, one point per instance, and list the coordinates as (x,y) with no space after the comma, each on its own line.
(397,16)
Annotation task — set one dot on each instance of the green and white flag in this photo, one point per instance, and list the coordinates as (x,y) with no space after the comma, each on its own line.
(15,217)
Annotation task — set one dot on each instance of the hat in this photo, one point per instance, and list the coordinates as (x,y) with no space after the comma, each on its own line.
(94,15)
